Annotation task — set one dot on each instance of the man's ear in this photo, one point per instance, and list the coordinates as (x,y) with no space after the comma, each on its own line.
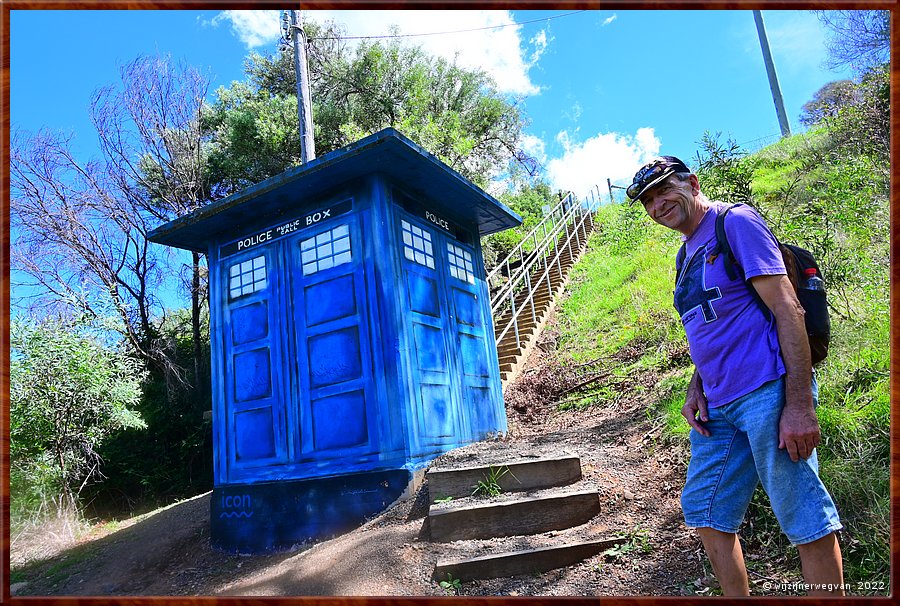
(695,184)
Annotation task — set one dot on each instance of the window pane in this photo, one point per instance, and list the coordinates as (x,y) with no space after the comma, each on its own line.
(342,258)
(341,245)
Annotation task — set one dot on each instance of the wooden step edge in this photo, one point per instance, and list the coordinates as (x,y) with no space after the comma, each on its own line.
(521,475)
(522,516)
(527,561)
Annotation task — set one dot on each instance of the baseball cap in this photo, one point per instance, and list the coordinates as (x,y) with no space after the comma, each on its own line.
(654,172)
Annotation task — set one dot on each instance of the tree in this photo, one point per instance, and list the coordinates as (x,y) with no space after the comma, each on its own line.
(150,134)
(859,38)
(68,393)
(863,128)
(453,112)
(82,227)
(827,101)
(81,239)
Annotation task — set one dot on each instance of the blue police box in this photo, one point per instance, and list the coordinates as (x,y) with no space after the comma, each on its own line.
(351,336)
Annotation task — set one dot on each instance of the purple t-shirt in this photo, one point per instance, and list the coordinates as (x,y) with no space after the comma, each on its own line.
(734,347)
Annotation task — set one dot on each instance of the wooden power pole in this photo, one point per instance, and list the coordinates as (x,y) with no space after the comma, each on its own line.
(304,104)
(773,77)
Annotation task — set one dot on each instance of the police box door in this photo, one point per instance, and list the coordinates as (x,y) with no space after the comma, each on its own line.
(254,433)
(334,386)
(446,330)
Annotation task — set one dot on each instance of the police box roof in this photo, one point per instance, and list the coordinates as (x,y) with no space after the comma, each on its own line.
(386,152)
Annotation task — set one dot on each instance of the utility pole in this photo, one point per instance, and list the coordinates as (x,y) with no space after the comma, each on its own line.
(611,187)
(773,77)
(304,104)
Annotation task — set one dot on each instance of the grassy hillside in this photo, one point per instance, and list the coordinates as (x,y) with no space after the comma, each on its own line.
(621,299)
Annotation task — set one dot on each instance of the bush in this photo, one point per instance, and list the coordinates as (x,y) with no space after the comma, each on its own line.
(68,393)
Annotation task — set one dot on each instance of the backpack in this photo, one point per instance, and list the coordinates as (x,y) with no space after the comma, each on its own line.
(796,260)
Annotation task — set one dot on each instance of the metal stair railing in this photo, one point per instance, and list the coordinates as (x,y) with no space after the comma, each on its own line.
(545,256)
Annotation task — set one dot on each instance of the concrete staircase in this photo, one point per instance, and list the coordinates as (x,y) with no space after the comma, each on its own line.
(541,505)
(520,321)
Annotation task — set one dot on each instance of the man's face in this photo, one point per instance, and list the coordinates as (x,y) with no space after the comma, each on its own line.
(671,203)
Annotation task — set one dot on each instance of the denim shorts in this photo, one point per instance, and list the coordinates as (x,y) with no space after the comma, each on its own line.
(742,451)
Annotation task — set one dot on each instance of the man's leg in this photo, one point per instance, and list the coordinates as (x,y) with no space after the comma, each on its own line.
(727,558)
(799,499)
(822,566)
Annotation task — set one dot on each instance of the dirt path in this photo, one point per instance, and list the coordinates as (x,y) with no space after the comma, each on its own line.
(638,480)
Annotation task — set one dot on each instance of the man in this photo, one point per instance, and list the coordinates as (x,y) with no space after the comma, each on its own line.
(751,400)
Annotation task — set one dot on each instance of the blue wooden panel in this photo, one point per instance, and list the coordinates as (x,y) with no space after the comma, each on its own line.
(254,434)
(438,418)
(330,300)
(472,352)
(334,357)
(423,295)
(249,323)
(340,421)
(466,305)
(430,352)
(482,407)
(252,375)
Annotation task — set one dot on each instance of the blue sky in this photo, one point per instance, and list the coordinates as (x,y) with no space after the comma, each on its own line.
(603,90)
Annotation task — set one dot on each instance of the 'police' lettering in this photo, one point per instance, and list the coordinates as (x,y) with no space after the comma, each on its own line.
(437,220)
(254,240)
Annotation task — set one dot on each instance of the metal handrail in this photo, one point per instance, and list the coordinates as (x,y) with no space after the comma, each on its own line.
(542,256)
(550,226)
(518,249)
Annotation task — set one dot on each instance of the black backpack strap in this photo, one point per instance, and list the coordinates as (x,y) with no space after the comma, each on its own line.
(725,247)
(732,267)
(679,261)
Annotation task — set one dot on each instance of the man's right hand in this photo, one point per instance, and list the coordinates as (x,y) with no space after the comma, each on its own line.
(695,409)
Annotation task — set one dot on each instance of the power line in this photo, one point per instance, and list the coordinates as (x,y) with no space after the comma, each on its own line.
(458,31)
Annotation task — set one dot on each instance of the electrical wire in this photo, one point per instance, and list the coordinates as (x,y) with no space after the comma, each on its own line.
(458,31)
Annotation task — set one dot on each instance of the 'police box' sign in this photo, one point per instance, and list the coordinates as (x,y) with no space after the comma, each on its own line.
(273,233)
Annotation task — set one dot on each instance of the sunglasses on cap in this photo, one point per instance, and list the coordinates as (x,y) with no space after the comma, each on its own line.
(654,172)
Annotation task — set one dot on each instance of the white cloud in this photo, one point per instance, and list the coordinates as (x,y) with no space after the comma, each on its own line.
(609,20)
(607,155)
(500,52)
(253,28)
(540,44)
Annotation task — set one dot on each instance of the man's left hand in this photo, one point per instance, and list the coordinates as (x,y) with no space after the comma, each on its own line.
(798,432)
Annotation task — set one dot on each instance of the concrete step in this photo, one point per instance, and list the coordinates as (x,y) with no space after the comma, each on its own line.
(527,515)
(520,476)
(527,561)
